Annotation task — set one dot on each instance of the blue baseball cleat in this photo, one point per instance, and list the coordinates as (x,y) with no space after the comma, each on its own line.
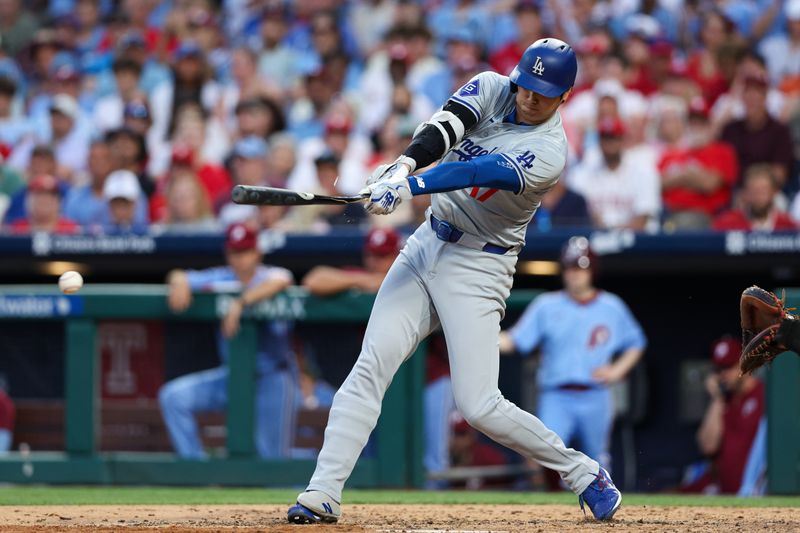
(314,507)
(602,497)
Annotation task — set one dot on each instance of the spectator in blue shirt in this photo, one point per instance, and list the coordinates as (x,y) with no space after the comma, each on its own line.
(122,192)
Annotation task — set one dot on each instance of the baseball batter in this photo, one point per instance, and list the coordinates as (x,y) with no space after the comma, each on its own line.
(502,147)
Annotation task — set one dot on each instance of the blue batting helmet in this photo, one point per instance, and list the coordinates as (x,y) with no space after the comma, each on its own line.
(548,67)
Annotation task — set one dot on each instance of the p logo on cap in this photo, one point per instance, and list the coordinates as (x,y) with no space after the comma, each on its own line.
(725,352)
(240,237)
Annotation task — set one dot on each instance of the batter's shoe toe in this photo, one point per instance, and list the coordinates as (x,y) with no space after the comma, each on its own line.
(314,506)
(602,497)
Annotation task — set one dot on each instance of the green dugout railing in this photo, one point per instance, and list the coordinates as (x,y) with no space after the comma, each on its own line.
(398,458)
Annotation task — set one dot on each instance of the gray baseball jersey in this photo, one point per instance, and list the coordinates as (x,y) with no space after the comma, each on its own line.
(538,154)
(435,282)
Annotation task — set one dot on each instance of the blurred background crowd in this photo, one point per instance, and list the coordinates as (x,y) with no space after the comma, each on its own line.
(137,116)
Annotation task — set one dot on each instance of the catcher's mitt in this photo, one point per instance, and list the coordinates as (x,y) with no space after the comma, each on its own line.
(768,329)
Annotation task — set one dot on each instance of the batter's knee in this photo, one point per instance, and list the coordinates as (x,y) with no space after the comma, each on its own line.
(476,409)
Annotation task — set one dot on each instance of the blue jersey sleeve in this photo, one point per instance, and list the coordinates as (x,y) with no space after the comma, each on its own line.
(217,278)
(527,332)
(631,333)
(495,170)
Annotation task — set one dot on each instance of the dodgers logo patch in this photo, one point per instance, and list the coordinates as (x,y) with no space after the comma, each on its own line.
(470,89)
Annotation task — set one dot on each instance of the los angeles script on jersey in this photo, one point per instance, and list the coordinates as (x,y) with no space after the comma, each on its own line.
(468,150)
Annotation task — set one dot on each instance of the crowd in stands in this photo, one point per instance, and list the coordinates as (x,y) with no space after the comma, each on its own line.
(138,116)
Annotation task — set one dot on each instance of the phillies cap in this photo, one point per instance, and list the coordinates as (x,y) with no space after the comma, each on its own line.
(725,352)
(338,124)
(611,127)
(182,155)
(240,237)
(698,107)
(44,183)
(382,241)
(122,184)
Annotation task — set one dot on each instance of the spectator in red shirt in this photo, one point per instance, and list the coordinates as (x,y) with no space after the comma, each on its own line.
(730,422)
(527,14)
(697,171)
(7,415)
(759,138)
(592,51)
(703,66)
(43,201)
(757,211)
(468,449)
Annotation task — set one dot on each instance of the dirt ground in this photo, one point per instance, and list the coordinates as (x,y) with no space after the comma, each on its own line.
(395,519)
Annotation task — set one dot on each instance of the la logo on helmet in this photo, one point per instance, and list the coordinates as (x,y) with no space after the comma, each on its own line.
(538,67)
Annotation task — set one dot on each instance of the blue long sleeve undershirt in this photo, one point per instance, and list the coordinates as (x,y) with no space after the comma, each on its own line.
(498,171)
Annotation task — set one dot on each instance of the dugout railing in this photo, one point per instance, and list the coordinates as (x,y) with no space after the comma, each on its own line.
(397,459)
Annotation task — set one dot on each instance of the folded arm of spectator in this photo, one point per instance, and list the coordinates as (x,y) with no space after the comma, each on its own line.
(325,281)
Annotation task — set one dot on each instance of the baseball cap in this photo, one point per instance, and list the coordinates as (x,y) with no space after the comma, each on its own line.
(122,184)
(188,49)
(528,5)
(755,79)
(578,254)
(251,147)
(661,47)
(182,155)
(592,45)
(326,158)
(132,39)
(611,127)
(44,183)
(250,103)
(240,237)
(202,19)
(338,124)
(64,104)
(382,241)
(461,34)
(136,110)
(792,9)
(725,352)
(698,108)
(64,67)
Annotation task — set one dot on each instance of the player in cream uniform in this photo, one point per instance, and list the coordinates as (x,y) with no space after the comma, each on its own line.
(502,148)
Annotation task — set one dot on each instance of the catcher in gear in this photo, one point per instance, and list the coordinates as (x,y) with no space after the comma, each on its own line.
(768,328)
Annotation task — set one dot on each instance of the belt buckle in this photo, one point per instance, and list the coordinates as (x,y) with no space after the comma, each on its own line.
(444,230)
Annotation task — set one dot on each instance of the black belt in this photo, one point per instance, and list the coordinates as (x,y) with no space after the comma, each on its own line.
(580,387)
(449,233)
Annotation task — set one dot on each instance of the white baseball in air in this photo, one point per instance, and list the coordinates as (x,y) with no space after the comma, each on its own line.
(70,282)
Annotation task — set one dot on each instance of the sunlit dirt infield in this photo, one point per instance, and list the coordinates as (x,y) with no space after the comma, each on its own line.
(394,518)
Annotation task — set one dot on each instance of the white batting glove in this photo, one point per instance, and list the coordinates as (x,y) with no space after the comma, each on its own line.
(396,169)
(386,195)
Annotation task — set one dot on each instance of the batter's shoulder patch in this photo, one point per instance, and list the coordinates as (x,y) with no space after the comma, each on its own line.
(470,89)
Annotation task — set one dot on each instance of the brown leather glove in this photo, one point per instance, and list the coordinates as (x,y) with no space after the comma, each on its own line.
(768,329)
